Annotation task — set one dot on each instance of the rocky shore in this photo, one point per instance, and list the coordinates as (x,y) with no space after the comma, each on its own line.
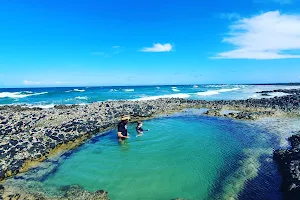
(30,135)
(288,161)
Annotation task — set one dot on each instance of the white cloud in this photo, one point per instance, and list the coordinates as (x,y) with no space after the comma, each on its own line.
(265,36)
(31,82)
(116,47)
(158,48)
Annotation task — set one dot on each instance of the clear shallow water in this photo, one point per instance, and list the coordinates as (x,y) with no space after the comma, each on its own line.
(187,156)
(48,97)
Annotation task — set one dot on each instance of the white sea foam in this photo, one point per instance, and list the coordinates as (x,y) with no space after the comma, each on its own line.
(175,90)
(254,96)
(180,95)
(129,90)
(215,86)
(278,94)
(158,88)
(27,92)
(282,128)
(228,90)
(207,93)
(215,92)
(47,106)
(113,90)
(17,95)
(78,90)
(12,95)
(270,95)
(82,98)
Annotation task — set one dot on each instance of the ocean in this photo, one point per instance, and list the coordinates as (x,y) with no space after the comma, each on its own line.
(48,97)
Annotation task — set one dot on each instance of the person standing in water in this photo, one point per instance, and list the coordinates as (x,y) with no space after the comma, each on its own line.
(122,128)
(139,128)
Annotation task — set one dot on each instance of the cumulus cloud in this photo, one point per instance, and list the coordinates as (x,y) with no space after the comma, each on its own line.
(158,48)
(31,82)
(269,35)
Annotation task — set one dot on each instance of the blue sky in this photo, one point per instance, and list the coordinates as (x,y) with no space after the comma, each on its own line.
(110,42)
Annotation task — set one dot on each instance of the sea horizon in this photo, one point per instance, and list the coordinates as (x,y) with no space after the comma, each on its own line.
(144,85)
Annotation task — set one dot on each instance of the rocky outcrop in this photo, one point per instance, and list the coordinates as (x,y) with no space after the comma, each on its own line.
(76,192)
(213,112)
(72,192)
(243,115)
(288,161)
(32,134)
(288,91)
(246,115)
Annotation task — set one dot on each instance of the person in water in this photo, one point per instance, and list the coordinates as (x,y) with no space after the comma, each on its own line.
(139,128)
(122,128)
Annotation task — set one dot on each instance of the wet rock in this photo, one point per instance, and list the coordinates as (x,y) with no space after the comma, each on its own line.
(14,196)
(295,141)
(13,142)
(213,112)
(1,191)
(2,174)
(78,193)
(288,161)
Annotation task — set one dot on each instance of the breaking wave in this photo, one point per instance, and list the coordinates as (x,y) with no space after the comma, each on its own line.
(215,92)
(175,89)
(128,90)
(17,95)
(180,95)
(75,90)
(82,98)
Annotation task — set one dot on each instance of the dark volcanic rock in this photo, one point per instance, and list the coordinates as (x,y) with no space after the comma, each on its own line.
(295,141)
(288,91)
(213,112)
(1,191)
(29,134)
(288,161)
(65,106)
(78,193)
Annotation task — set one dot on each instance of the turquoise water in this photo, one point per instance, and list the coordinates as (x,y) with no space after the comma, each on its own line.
(176,158)
(182,156)
(48,97)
